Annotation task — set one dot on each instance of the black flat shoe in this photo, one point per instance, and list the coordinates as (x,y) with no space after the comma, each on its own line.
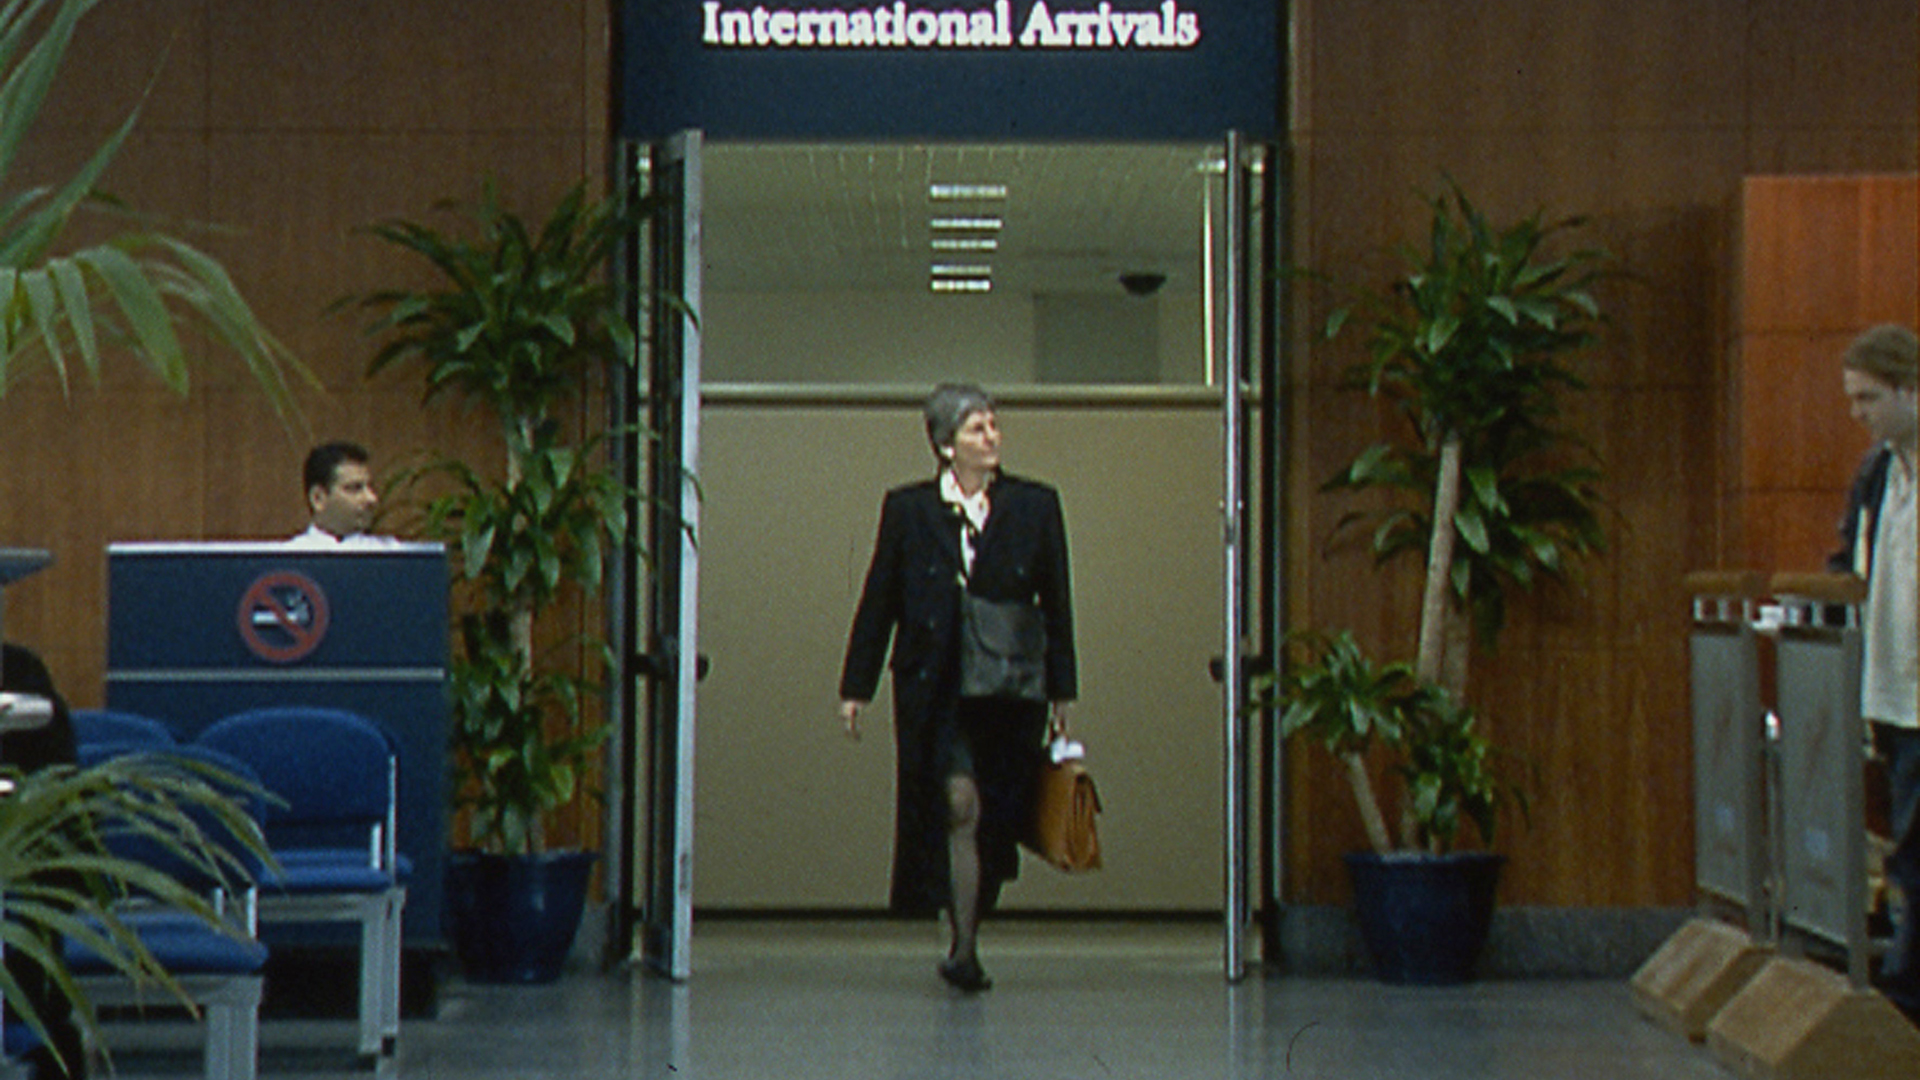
(966,976)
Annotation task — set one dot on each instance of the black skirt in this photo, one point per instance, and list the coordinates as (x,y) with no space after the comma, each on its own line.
(999,744)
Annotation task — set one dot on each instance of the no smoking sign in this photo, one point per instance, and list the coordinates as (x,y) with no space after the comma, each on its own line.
(283,616)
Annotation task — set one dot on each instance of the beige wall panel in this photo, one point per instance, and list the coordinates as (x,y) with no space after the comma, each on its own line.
(297,122)
(790,814)
(856,338)
(912,339)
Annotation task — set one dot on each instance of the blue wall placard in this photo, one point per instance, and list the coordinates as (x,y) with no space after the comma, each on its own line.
(949,69)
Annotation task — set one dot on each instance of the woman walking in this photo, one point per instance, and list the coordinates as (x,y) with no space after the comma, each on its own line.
(966,765)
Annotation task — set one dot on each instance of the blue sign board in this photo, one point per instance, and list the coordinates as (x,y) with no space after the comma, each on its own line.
(199,631)
(1124,70)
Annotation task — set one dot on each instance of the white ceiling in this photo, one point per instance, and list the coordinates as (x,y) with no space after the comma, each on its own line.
(795,217)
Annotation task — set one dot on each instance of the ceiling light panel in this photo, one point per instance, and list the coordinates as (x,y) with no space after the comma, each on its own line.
(966,224)
(966,192)
(966,243)
(855,216)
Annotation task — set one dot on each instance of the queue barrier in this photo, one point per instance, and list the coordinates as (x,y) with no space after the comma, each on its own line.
(1772,974)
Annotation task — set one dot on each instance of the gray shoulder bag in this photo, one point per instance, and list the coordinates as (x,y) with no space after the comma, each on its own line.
(1003,645)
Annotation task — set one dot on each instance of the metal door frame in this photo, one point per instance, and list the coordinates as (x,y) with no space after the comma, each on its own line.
(657,698)
(1252,505)
(656,625)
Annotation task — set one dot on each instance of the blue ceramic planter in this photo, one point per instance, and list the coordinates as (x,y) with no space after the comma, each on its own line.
(1424,918)
(513,917)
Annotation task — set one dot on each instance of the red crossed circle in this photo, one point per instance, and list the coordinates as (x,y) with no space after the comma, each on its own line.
(283,635)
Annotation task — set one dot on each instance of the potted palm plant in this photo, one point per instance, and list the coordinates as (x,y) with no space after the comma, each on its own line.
(58,879)
(1469,342)
(520,320)
(1424,907)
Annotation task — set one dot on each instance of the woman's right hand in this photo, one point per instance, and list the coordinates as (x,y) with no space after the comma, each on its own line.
(850,718)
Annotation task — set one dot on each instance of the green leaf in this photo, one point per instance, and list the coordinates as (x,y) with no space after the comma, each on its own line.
(1473,529)
(146,314)
(1484,482)
(78,309)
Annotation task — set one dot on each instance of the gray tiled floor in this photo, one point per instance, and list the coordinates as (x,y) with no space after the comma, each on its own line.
(859,1000)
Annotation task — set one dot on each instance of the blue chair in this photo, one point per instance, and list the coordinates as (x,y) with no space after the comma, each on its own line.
(333,833)
(96,726)
(220,972)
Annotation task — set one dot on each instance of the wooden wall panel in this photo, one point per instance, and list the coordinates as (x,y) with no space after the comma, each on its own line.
(1645,117)
(1820,258)
(145,54)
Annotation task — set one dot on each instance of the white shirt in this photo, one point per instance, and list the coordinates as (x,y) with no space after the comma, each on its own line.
(973,509)
(1890,677)
(316,538)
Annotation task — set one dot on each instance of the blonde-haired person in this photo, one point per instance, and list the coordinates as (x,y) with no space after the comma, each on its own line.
(1877,542)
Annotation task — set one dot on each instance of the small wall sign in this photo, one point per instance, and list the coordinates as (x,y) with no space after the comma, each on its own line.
(283,616)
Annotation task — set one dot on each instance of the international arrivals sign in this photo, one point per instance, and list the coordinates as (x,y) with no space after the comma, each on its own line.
(904,26)
(1123,70)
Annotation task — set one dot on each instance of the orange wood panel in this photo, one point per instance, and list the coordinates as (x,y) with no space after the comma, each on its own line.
(1795,433)
(1890,213)
(1789,530)
(1823,258)
(1800,242)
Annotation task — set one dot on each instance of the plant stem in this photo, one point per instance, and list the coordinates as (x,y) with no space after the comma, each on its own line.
(1437,599)
(1437,602)
(521,625)
(1370,814)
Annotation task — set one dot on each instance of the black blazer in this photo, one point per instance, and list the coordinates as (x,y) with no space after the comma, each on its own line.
(912,591)
(1863,499)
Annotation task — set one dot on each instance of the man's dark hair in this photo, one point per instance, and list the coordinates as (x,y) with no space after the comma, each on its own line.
(324,459)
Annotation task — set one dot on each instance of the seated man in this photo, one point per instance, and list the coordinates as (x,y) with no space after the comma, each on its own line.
(341,499)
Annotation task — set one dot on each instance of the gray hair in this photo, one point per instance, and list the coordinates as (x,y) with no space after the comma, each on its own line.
(948,407)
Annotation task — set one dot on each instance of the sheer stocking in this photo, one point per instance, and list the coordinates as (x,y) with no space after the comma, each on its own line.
(963,863)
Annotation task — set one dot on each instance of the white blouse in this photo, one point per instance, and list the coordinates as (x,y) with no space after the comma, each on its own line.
(973,514)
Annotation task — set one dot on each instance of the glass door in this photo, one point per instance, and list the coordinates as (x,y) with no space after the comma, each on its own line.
(658,409)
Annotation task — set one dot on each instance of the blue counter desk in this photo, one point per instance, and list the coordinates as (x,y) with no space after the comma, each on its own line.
(198,631)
